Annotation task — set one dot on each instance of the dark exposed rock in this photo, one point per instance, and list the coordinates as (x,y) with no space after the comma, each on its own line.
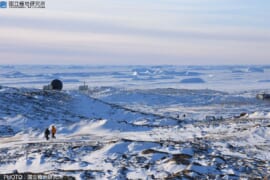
(181,159)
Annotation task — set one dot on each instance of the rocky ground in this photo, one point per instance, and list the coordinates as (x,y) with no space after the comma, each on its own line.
(99,139)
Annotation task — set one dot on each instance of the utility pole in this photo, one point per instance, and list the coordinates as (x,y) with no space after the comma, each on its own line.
(25,144)
(25,135)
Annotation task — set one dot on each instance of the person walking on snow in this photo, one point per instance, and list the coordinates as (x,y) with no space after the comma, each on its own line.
(53,131)
(47,133)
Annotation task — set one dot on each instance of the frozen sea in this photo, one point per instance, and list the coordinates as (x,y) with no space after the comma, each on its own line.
(228,78)
(136,122)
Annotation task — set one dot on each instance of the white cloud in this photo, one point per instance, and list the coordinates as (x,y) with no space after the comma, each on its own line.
(147,31)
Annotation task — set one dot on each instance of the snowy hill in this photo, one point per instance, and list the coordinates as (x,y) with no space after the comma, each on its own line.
(111,133)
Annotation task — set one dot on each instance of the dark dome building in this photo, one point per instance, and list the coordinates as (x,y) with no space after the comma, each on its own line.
(57,85)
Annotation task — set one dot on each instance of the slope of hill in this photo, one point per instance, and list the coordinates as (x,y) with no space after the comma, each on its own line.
(111,136)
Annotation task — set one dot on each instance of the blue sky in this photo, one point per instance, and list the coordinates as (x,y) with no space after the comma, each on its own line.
(137,32)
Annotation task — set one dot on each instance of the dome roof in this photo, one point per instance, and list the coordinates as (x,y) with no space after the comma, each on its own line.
(57,84)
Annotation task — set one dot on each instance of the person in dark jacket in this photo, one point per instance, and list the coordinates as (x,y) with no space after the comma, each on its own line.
(47,134)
